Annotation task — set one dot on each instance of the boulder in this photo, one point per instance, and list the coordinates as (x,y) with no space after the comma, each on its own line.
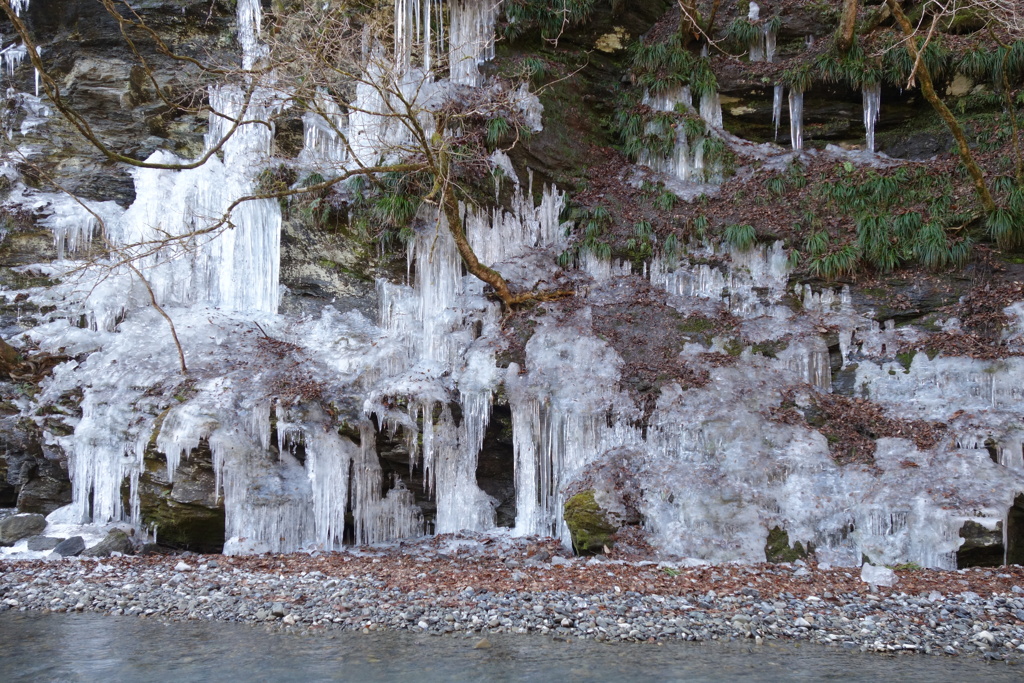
(41,543)
(590,525)
(877,576)
(116,541)
(17,527)
(70,547)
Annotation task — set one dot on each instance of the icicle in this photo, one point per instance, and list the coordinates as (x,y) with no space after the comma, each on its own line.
(471,38)
(754,13)
(12,57)
(872,94)
(250,18)
(711,108)
(796,115)
(777,108)
(769,45)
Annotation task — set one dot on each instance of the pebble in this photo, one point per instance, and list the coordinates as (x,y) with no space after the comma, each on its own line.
(959,622)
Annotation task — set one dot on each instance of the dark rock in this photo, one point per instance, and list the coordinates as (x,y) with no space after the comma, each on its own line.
(156,549)
(39,543)
(187,513)
(17,527)
(116,541)
(981,547)
(44,494)
(919,146)
(70,547)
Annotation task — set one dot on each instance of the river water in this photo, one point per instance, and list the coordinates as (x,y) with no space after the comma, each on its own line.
(87,647)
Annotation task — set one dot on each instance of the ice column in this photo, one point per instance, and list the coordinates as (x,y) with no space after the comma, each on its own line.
(872,94)
(777,107)
(711,108)
(471,38)
(323,144)
(796,117)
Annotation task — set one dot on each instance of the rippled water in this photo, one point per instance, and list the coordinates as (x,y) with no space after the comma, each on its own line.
(85,647)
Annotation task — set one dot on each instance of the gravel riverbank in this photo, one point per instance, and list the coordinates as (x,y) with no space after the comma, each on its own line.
(481,586)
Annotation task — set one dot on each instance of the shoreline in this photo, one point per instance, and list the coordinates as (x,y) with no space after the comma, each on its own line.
(465,586)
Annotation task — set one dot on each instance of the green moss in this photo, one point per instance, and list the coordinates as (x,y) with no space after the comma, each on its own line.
(770,348)
(906,358)
(591,526)
(733,347)
(695,324)
(778,549)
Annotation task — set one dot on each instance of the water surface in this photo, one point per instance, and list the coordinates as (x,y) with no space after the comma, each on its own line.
(88,647)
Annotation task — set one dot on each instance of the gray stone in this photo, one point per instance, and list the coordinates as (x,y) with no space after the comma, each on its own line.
(17,527)
(70,547)
(40,543)
(116,541)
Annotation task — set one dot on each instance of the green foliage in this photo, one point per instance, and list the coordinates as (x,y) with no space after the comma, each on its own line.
(886,237)
(671,250)
(591,227)
(641,244)
(1005,227)
(897,64)
(741,33)
(741,237)
(386,208)
(662,67)
(798,77)
(665,200)
(816,243)
(497,129)
(852,68)
(700,226)
(837,263)
(551,18)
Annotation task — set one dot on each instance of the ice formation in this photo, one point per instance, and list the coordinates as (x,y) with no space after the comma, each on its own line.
(713,473)
(779,93)
(796,117)
(762,48)
(872,105)
(687,160)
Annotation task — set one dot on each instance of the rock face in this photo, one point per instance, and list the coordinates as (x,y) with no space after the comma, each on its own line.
(982,547)
(17,527)
(187,513)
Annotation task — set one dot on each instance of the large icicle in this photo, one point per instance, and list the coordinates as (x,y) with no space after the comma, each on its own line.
(796,118)
(777,108)
(872,94)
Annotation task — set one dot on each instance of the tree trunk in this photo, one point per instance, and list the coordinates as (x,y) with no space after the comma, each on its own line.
(848,26)
(450,206)
(689,29)
(928,90)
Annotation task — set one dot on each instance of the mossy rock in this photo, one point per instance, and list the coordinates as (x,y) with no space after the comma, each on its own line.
(777,548)
(590,525)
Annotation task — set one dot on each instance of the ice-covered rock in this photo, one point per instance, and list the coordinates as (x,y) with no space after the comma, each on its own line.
(878,576)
